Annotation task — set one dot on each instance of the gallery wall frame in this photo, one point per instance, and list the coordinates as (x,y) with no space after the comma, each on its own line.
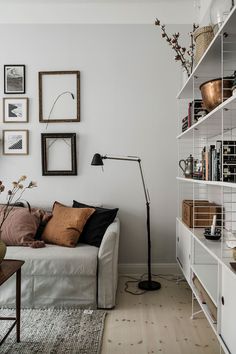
(15,109)
(14,79)
(59,96)
(15,142)
(58,152)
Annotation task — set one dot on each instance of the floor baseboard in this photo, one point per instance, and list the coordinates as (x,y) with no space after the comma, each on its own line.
(141,268)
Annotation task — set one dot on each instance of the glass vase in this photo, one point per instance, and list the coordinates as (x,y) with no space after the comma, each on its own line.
(219,11)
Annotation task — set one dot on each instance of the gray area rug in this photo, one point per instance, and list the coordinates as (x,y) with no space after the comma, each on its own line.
(55,331)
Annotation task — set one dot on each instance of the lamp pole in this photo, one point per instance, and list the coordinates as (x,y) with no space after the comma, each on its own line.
(98,161)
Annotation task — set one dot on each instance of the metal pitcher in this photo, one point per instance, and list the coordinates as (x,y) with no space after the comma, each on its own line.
(187,166)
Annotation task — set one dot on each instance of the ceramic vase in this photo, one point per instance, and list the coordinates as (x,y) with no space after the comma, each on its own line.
(3,249)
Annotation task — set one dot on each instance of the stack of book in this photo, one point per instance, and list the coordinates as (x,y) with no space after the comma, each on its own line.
(185,124)
(219,163)
(195,112)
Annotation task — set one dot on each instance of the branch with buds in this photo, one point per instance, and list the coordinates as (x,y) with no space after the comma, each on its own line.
(13,196)
(181,52)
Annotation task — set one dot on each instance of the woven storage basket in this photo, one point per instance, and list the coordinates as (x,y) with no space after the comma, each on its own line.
(203,37)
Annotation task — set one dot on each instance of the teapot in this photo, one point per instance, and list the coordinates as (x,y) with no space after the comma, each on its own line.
(188,166)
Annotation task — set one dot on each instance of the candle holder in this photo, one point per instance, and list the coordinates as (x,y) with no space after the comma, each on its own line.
(216,236)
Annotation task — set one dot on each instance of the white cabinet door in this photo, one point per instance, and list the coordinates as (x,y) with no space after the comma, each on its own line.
(183,246)
(228,309)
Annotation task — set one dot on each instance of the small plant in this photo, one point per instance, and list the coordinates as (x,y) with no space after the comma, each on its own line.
(185,56)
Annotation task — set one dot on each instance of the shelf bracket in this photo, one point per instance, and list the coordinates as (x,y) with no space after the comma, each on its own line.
(196,312)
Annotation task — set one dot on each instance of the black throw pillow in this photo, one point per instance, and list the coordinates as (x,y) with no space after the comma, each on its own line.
(96,225)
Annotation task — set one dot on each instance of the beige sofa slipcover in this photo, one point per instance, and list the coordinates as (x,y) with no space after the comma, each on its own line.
(57,276)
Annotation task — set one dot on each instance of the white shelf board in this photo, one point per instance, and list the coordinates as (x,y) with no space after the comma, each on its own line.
(211,125)
(210,183)
(209,65)
(208,275)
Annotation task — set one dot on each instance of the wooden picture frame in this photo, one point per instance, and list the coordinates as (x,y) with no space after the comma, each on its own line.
(59,96)
(59,154)
(15,142)
(15,109)
(14,79)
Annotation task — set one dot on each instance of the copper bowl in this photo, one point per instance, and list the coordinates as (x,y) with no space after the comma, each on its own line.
(212,92)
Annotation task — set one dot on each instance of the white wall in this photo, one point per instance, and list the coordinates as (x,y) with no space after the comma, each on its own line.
(129,82)
(96,11)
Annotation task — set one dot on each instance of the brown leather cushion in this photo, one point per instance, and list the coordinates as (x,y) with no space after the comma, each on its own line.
(66,225)
(20,227)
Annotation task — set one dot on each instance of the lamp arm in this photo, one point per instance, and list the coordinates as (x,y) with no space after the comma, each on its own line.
(136,159)
(147,197)
(57,98)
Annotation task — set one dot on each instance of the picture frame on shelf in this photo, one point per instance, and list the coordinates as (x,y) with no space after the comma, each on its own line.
(15,109)
(15,142)
(14,79)
(59,96)
(59,154)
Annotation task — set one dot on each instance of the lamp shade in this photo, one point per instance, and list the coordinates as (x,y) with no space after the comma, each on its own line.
(97,160)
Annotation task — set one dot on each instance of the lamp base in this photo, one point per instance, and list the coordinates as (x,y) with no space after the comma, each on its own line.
(149,285)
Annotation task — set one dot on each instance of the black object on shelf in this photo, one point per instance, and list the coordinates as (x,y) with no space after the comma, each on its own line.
(148,284)
(233,265)
(209,236)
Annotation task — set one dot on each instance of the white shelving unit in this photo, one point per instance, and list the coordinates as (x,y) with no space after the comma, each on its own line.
(207,260)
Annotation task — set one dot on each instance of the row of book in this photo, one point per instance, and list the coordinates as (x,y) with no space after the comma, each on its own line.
(195,112)
(218,162)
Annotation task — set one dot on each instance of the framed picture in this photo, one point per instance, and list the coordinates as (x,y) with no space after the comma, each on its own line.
(14,79)
(15,110)
(59,96)
(15,142)
(59,154)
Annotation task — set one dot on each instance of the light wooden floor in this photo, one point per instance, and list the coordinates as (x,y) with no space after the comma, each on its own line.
(157,322)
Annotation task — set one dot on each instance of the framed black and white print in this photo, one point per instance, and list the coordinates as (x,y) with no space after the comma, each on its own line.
(59,96)
(14,79)
(15,110)
(15,142)
(59,154)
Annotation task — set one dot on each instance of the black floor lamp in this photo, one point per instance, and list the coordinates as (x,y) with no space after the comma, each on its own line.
(98,161)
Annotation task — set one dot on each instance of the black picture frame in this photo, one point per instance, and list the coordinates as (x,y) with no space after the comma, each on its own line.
(65,140)
(14,79)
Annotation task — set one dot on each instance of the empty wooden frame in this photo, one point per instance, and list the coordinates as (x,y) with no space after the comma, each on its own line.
(59,154)
(59,96)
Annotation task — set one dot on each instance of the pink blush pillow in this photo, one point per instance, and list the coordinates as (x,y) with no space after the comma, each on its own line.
(20,227)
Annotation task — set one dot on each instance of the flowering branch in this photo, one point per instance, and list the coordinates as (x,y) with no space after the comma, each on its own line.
(13,196)
(187,63)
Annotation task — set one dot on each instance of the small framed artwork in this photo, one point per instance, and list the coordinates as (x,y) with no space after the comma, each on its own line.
(59,96)
(15,110)
(59,154)
(15,142)
(14,79)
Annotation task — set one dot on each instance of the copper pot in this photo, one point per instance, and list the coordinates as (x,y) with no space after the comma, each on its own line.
(212,92)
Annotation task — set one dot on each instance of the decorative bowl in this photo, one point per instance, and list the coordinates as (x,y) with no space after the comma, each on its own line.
(212,92)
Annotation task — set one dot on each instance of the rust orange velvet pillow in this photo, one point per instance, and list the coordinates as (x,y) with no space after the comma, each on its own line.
(66,225)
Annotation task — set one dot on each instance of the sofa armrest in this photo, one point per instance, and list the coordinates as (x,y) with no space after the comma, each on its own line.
(108,266)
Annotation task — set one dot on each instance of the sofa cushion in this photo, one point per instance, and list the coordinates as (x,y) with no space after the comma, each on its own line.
(20,226)
(96,226)
(66,225)
(56,260)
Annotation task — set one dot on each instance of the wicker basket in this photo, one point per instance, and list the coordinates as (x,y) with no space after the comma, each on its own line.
(203,37)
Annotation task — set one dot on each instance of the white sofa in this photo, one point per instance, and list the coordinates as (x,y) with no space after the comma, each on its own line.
(57,276)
